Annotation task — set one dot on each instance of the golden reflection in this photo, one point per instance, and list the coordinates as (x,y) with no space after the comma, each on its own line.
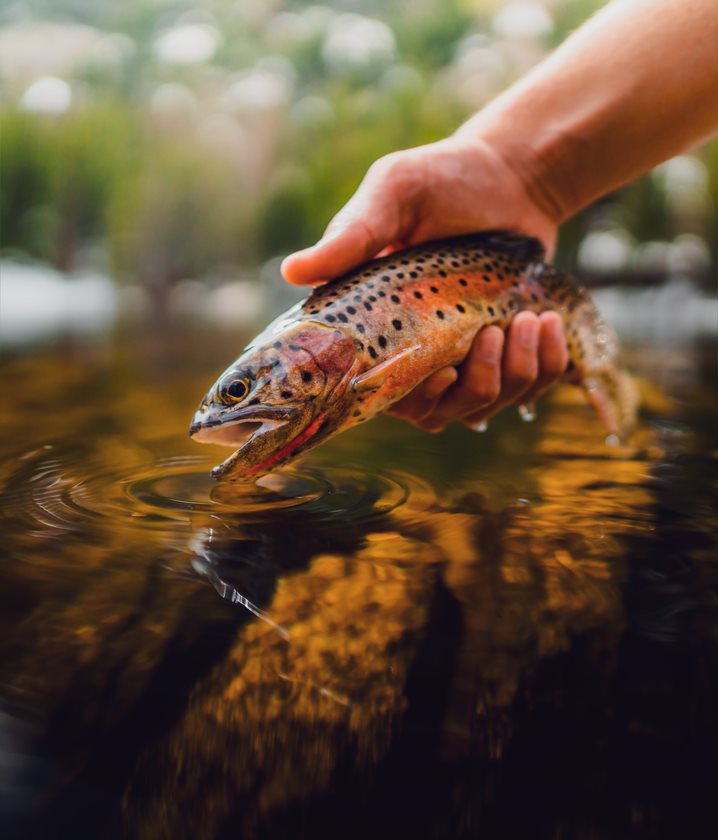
(474,589)
(529,578)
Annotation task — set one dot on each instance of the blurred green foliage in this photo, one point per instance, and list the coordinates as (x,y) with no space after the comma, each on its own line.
(142,182)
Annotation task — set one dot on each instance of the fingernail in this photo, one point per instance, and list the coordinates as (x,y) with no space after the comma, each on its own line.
(528,332)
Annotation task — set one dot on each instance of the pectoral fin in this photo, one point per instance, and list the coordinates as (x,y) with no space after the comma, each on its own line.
(375,377)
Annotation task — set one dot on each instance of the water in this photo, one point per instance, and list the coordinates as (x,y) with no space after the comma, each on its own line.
(503,635)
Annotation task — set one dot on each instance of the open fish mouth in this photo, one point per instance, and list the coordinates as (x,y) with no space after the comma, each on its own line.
(226,434)
(212,427)
(242,461)
(262,440)
(269,446)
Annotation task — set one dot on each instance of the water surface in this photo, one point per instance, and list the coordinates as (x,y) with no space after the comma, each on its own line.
(503,635)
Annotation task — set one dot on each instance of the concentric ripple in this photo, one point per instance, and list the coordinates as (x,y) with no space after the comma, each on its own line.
(53,492)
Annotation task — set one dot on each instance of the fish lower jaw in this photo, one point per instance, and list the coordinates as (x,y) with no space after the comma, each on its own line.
(281,453)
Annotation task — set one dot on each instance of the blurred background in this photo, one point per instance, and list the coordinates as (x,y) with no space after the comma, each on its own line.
(162,156)
(512,634)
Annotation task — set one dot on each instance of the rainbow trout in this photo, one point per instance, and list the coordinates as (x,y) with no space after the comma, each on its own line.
(361,342)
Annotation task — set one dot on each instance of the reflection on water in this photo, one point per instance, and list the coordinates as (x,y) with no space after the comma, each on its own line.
(500,635)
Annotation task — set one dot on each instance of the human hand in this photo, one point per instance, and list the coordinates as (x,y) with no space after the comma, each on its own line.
(497,371)
(445,189)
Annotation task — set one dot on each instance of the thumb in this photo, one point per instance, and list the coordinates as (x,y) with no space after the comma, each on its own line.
(366,224)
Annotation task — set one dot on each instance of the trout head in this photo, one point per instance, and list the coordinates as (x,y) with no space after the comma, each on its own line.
(285,394)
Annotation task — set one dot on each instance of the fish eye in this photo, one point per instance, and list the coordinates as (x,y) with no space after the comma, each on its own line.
(234,391)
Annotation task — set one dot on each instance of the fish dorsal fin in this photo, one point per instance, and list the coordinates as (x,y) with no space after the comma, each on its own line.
(518,245)
(375,377)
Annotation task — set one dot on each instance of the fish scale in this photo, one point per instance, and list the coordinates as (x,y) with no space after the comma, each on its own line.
(361,342)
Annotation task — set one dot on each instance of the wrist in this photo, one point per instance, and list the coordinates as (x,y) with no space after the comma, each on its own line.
(536,153)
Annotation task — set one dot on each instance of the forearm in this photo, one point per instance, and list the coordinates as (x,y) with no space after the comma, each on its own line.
(634,86)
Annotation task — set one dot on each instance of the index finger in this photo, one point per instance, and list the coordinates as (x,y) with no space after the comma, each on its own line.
(371,220)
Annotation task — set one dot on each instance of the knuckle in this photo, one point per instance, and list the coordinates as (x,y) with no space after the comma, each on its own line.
(383,166)
(482,391)
(522,377)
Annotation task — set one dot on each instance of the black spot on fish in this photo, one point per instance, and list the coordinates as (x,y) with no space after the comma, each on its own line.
(367,306)
(442,274)
(392,267)
(395,298)
(372,298)
(460,307)
(386,278)
(382,341)
(360,328)
(413,275)
(418,295)
(356,414)
(534,297)
(463,282)
(396,324)
(372,352)
(455,264)
(491,310)
(381,294)
(439,314)
(485,278)
(285,395)
(277,345)
(404,262)
(294,347)
(351,310)
(343,318)
(434,290)
(306,376)
(400,275)
(330,318)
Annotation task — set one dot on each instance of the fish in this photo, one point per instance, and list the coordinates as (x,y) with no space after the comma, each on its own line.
(361,342)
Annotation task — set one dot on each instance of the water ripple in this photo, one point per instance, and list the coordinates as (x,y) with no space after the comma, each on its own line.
(54,493)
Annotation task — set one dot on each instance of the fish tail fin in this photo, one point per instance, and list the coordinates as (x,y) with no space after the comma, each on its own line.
(614,396)
(598,368)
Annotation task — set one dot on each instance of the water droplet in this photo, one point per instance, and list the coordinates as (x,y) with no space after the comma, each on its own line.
(527,413)
(482,426)
(613,440)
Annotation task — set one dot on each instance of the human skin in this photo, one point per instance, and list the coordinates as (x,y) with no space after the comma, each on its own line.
(633,86)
